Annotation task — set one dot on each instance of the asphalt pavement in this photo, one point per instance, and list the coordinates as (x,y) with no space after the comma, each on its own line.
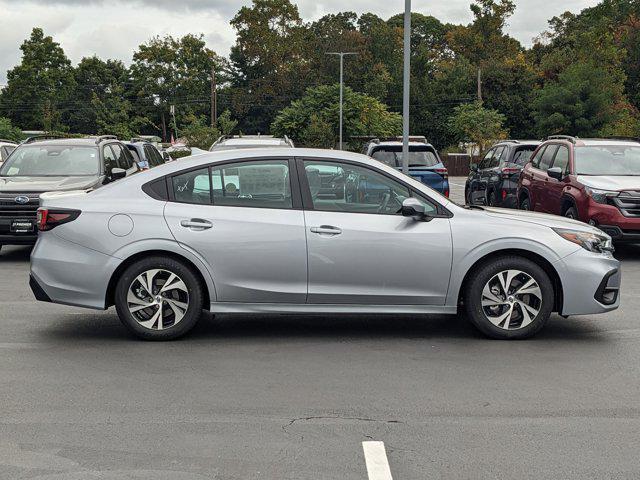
(294,397)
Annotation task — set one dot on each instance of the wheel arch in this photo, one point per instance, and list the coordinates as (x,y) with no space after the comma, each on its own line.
(534,257)
(111,287)
(567,201)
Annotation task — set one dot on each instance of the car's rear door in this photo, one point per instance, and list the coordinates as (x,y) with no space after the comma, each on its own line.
(361,250)
(490,174)
(476,187)
(244,218)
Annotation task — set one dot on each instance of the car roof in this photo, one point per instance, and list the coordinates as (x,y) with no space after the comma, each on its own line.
(253,140)
(606,141)
(66,142)
(392,143)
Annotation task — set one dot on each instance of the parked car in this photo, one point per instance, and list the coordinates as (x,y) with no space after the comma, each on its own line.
(44,165)
(593,180)
(247,231)
(6,147)
(234,142)
(494,181)
(424,162)
(144,153)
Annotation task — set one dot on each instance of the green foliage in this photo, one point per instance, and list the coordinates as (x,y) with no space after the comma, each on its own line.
(474,123)
(315,117)
(198,132)
(8,131)
(38,86)
(226,124)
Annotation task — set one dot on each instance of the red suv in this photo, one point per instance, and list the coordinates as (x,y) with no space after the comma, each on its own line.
(593,180)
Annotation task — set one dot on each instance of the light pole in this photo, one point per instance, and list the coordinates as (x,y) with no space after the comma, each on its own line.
(341,54)
(405,87)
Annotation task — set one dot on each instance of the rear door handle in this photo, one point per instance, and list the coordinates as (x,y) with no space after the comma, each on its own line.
(196,224)
(326,230)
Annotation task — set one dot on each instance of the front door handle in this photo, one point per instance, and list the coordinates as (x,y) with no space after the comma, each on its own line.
(326,230)
(196,224)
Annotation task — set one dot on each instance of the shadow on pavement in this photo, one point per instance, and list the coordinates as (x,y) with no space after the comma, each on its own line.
(107,327)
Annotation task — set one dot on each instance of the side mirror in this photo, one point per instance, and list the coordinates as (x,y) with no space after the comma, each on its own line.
(473,167)
(412,207)
(117,173)
(555,172)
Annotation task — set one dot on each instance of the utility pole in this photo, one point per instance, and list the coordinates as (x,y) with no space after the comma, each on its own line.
(172,110)
(341,54)
(214,98)
(479,84)
(405,87)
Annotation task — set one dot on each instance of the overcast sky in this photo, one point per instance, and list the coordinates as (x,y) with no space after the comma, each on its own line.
(114,28)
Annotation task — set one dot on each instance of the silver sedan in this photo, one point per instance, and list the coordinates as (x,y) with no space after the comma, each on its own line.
(310,231)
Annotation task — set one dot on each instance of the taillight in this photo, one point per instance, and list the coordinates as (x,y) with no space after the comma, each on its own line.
(446,193)
(442,171)
(507,172)
(48,219)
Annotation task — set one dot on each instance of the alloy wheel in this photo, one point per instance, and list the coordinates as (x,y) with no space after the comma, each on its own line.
(158,299)
(511,299)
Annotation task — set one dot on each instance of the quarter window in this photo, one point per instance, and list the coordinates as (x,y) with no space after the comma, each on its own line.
(259,184)
(342,187)
(192,187)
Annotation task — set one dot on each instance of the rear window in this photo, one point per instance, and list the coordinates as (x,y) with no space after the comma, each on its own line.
(52,161)
(523,154)
(418,156)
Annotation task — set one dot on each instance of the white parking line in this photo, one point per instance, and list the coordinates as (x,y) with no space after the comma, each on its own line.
(376,458)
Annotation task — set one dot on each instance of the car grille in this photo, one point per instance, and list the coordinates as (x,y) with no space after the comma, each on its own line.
(10,208)
(628,203)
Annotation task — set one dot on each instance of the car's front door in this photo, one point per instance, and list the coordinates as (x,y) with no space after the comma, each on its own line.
(554,187)
(244,220)
(476,188)
(361,250)
(542,179)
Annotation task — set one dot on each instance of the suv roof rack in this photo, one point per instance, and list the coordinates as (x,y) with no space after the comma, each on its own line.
(36,138)
(563,137)
(102,138)
(139,139)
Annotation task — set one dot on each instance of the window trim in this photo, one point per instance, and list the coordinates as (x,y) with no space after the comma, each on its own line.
(307,200)
(296,200)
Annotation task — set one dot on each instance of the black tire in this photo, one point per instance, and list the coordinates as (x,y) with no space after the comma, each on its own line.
(525,204)
(195,298)
(484,274)
(571,212)
(492,198)
(467,196)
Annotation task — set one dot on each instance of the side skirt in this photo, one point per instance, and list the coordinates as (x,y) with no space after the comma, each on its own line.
(226,307)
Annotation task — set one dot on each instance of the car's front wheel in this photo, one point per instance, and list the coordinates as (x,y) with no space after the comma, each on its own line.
(159,298)
(509,298)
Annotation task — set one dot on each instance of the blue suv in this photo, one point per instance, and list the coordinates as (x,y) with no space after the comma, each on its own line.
(424,162)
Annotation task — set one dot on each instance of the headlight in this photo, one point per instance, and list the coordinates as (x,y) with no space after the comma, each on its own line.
(594,242)
(600,196)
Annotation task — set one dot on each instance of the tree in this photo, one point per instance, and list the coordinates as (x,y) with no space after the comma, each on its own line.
(198,132)
(39,87)
(174,71)
(226,124)
(114,115)
(580,102)
(315,117)
(473,123)
(8,131)
(269,60)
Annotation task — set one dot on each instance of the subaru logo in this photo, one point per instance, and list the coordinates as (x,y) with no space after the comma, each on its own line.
(21,200)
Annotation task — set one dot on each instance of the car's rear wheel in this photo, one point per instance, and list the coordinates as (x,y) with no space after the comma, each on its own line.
(159,298)
(525,204)
(509,298)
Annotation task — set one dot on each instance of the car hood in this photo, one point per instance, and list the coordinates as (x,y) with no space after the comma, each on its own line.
(45,184)
(543,219)
(610,182)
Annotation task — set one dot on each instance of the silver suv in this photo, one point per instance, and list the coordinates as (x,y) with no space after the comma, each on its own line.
(258,231)
(234,142)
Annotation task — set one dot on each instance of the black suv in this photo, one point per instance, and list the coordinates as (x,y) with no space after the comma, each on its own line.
(494,181)
(41,165)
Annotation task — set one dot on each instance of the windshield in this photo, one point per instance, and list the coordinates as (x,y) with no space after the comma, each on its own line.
(418,156)
(52,161)
(607,160)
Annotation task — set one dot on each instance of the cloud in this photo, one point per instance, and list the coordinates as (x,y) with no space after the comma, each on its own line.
(115,28)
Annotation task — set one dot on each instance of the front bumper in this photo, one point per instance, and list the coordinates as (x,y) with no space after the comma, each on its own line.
(609,219)
(590,283)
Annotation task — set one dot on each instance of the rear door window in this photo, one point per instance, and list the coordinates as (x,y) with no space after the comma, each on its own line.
(192,187)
